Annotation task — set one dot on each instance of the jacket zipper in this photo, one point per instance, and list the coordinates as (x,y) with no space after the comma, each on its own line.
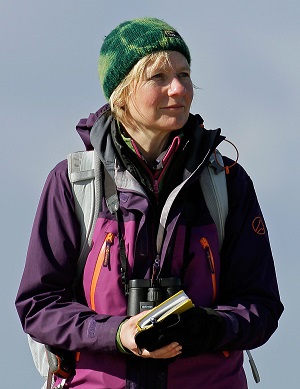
(211,262)
(102,260)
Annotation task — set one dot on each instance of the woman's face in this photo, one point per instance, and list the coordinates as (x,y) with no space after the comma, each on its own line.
(161,101)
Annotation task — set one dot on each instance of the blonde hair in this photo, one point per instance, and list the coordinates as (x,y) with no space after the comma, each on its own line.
(120,96)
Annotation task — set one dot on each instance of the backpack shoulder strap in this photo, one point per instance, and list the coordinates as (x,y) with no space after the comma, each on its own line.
(84,172)
(84,176)
(214,188)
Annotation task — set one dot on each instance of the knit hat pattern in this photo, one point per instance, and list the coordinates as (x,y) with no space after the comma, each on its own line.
(131,41)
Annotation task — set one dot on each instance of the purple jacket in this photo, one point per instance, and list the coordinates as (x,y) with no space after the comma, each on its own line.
(243,289)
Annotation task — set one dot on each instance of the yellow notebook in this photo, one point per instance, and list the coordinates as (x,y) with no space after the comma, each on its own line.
(177,303)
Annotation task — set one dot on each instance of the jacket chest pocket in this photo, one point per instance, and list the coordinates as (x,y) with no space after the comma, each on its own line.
(102,271)
(200,267)
(102,259)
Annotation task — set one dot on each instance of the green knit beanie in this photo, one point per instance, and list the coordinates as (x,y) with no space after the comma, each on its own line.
(131,41)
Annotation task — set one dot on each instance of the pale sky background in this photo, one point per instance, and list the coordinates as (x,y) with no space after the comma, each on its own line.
(245,59)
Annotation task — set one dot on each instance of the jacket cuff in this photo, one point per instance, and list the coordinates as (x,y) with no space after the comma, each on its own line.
(232,329)
(105,332)
(120,346)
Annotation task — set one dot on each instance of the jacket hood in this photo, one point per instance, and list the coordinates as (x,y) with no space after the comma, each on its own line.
(85,125)
(94,133)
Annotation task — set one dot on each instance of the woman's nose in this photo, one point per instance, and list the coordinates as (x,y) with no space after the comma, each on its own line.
(176,87)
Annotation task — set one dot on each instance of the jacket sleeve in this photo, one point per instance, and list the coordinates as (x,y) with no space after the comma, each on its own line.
(45,300)
(249,296)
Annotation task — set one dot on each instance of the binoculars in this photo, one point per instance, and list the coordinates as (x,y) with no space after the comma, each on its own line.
(142,295)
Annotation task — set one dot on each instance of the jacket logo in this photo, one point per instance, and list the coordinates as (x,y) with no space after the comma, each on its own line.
(258,226)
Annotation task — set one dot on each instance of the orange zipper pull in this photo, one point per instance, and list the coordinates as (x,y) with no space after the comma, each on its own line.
(211,262)
(209,256)
(108,242)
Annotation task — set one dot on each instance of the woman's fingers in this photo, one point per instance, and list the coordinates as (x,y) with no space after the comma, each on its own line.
(127,333)
(169,351)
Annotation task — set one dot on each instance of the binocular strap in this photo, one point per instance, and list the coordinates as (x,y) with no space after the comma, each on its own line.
(146,373)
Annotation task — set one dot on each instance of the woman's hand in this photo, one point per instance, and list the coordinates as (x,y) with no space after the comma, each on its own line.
(127,333)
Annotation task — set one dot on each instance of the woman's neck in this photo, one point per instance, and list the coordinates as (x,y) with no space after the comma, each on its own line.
(149,144)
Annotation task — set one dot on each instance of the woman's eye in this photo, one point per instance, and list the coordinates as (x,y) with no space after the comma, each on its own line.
(157,76)
(184,75)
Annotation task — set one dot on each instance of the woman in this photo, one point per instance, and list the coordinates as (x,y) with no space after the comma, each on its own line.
(149,143)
